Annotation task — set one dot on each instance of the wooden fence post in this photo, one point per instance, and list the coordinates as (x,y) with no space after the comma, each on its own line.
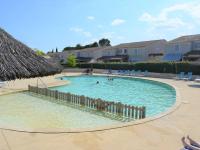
(56,94)
(144,112)
(136,112)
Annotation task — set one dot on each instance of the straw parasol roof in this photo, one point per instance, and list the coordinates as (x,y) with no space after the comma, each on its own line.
(19,61)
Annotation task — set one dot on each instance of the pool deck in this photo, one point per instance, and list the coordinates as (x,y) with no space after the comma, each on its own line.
(160,134)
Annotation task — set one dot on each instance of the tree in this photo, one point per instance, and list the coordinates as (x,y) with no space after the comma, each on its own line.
(56,50)
(78,46)
(95,44)
(52,50)
(39,52)
(71,60)
(104,42)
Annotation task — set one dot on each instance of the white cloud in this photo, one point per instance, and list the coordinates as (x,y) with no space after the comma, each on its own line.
(90,17)
(117,22)
(81,31)
(190,16)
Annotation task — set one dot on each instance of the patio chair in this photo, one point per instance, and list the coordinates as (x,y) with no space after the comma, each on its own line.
(119,72)
(132,73)
(128,72)
(125,72)
(188,77)
(146,73)
(138,73)
(180,76)
(110,71)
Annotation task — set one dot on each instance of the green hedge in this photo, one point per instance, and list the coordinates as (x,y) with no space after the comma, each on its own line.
(161,67)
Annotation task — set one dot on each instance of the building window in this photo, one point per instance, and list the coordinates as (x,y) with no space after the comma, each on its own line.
(78,54)
(119,51)
(125,51)
(195,45)
(136,52)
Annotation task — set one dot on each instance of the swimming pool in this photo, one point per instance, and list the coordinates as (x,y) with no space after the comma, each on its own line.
(28,112)
(157,97)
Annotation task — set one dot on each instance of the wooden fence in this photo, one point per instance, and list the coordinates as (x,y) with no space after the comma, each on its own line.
(111,109)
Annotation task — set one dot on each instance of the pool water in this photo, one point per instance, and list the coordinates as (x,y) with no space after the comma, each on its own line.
(25,111)
(155,96)
(22,111)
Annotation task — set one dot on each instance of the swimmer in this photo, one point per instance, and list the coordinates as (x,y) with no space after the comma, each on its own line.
(97,82)
(108,77)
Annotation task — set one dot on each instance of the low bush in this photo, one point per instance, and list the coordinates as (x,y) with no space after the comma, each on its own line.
(158,67)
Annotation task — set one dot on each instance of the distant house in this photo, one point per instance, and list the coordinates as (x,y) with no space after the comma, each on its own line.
(135,51)
(83,55)
(185,47)
(178,48)
(142,51)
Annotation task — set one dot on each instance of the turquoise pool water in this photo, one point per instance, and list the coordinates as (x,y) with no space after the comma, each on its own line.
(156,96)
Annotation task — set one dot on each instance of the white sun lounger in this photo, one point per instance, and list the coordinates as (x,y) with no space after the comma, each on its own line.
(197,80)
(2,84)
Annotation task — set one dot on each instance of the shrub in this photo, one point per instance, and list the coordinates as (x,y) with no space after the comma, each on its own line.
(158,67)
(71,61)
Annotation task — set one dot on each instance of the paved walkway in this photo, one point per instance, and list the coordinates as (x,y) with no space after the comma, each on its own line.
(161,134)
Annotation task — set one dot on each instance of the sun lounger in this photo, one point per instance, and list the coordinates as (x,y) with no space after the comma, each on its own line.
(197,80)
(108,71)
(2,84)
(190,145)
(119,72)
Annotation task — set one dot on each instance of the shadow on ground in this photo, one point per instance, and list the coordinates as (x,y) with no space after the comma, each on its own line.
(194,85)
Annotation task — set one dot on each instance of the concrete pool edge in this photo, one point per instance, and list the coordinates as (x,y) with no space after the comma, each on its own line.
(175,106)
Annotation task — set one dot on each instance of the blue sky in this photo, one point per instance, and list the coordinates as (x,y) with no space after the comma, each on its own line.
(47,24)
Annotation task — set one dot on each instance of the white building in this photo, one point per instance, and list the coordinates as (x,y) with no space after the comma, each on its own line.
(142,51)
(154,50)
(177,48)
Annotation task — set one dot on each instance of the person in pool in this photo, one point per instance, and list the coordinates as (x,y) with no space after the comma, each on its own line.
(97,82)
(110,78)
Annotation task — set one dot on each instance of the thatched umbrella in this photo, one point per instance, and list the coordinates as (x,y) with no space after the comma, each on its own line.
(19,61)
